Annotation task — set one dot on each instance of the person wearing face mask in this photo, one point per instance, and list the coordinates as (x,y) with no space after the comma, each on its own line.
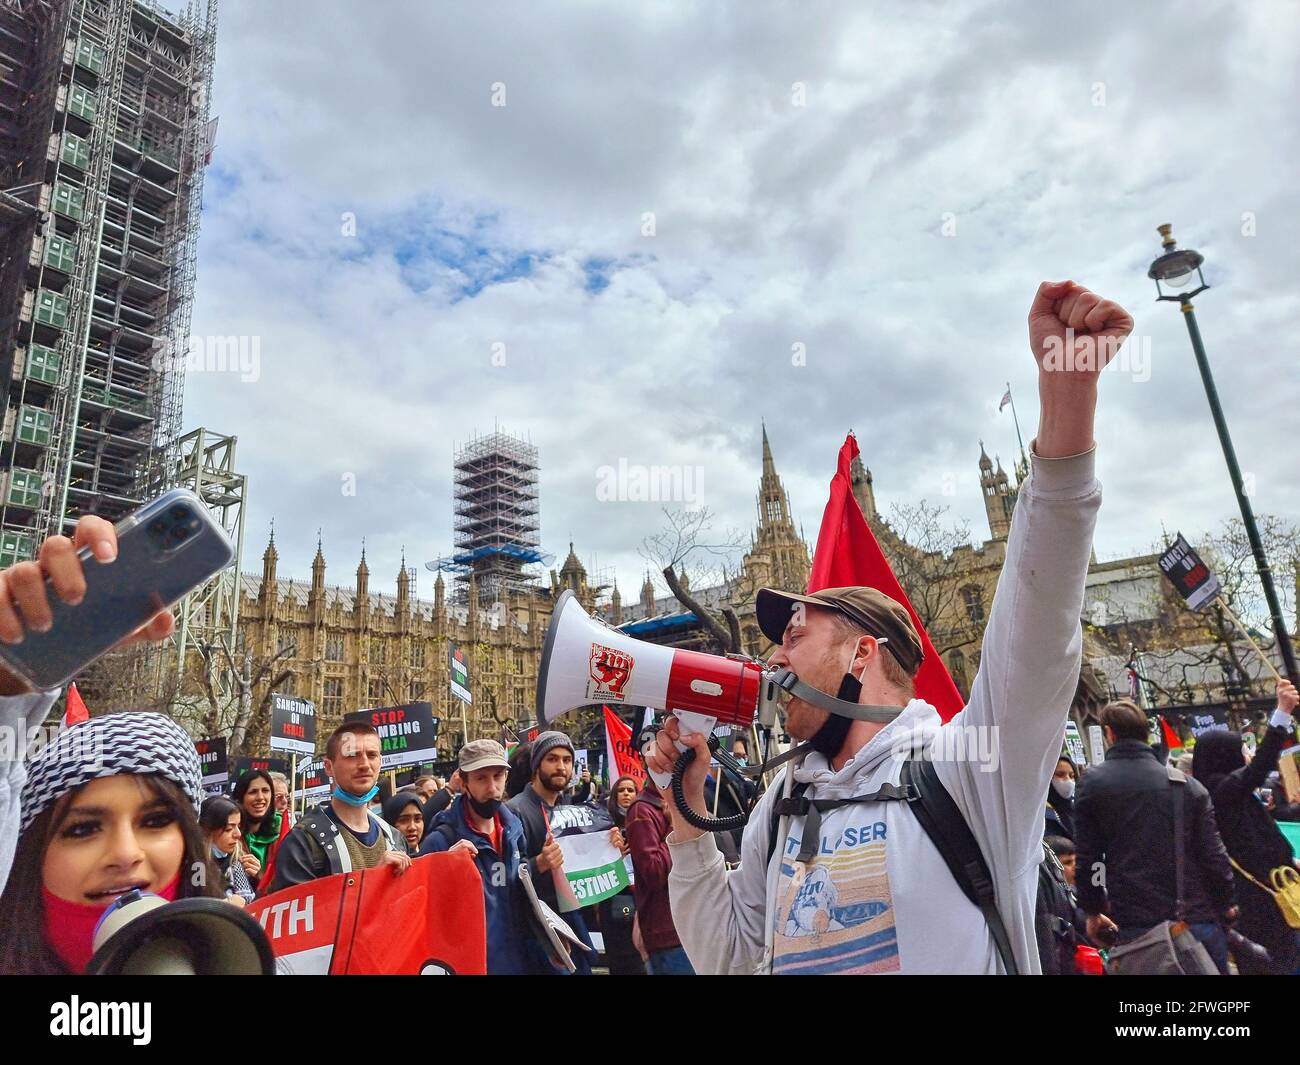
(219,819)
(480,825)
(110,806)
(1059,815)
(841,876)
(341,834)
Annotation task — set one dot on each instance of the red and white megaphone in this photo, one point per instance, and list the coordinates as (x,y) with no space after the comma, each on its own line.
(586,662)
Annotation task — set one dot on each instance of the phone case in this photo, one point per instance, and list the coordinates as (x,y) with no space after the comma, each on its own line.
(156,566)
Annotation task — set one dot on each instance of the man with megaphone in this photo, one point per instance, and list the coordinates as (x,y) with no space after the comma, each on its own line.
(863,857)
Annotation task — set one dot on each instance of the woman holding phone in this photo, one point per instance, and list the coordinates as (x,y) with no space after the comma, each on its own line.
(26,592)
(110,806)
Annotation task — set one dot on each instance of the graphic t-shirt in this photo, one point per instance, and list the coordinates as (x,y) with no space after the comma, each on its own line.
(837,914)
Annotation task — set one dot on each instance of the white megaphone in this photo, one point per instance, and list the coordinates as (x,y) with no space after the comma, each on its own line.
(145,935)
(586,662)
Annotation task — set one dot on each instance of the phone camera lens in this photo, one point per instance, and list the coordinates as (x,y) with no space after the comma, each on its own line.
(180,533)
(180,512)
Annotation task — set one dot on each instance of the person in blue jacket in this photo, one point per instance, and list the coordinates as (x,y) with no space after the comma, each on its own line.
(479,823)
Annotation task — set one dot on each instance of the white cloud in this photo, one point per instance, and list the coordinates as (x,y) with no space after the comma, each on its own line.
(775,224)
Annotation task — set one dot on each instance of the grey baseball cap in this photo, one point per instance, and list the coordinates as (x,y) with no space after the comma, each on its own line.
(480,754)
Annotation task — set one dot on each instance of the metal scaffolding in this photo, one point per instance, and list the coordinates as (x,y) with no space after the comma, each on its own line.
(496,526)
(109,140)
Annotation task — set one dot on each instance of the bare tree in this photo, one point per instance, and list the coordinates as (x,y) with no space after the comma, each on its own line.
(1197,651)
(926,563)
(684,558)
(229,678)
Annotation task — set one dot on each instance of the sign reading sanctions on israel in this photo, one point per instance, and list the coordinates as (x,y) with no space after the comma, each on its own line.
(408,734)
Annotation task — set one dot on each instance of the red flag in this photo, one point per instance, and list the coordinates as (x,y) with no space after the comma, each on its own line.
(1171,737)
(848,555)
(75,711)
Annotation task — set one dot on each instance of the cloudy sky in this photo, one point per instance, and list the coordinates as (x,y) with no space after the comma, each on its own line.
(631,232)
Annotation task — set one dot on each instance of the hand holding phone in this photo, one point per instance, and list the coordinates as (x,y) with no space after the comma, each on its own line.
(79,599)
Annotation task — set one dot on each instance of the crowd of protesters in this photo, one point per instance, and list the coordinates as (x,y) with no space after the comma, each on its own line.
(134,817)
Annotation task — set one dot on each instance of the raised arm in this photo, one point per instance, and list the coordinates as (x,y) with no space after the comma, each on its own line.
(1032,649)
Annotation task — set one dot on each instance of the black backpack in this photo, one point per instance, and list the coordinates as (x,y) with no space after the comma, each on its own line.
(920,787)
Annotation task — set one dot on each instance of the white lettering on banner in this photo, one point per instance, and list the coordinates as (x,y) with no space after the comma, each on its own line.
(79,1018)
(303,916)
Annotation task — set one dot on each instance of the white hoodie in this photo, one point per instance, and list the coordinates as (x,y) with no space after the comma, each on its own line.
(878,897)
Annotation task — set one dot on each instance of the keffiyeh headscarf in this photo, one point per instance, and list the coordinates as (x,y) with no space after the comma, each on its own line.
(131,742)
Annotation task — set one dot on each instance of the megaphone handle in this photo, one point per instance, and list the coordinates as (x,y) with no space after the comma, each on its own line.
(688,722)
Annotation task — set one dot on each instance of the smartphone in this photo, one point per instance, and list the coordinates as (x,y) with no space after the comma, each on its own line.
(166,549)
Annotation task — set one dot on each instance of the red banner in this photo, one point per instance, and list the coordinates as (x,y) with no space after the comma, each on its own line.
(348,924)
(623,760)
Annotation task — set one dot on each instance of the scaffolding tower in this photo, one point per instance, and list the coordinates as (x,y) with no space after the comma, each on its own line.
(105,134)
(496,530)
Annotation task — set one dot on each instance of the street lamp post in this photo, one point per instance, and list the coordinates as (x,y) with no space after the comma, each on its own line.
(1178,277)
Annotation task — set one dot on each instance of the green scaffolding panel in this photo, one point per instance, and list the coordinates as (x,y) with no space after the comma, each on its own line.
(69,200)
(34,425)
(75,151)
(90,56)
(24,488)
(60,253)
(82,103)
(51,309)
(14,547)
(42,364)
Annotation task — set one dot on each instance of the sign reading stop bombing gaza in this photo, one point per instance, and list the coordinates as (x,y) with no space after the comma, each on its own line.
(408,734)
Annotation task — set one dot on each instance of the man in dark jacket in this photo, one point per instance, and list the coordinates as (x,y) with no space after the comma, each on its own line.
(647,827)
(481,825)
(551,760)
(1124,831)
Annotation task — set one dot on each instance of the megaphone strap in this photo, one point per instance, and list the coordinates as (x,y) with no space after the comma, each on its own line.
(818,698)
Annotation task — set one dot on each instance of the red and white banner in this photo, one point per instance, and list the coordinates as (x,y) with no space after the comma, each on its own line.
(428,921)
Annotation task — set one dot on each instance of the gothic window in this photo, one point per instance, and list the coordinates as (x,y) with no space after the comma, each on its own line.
(375,693)
(417,655)
(972,597)
(333,701)
(334,647)
(957,667)
(377,651)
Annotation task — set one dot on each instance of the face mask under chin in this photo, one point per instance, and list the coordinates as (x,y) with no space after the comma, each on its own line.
(484,809)
(830,737)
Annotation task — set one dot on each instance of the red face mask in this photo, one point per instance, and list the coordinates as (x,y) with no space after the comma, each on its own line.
(70,926)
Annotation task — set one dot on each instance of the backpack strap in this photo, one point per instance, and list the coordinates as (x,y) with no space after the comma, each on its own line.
(948,831)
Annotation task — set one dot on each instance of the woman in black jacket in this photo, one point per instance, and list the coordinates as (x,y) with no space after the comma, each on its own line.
(1253,840)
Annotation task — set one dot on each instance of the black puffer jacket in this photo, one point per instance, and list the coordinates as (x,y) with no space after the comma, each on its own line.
(1124,820)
